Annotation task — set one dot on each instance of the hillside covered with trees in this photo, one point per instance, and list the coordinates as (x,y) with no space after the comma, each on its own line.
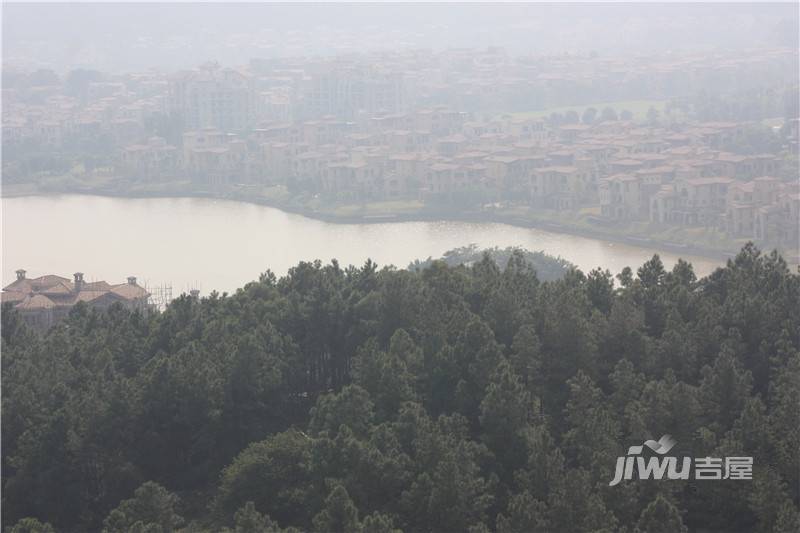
(447,398)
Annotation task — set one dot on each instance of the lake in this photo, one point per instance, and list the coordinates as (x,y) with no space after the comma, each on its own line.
(218,244)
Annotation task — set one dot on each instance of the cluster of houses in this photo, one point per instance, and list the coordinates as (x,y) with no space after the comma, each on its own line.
(375,128)
(632,172)
(85,107)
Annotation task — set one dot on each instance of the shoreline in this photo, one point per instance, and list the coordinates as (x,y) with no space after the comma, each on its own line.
(419,216)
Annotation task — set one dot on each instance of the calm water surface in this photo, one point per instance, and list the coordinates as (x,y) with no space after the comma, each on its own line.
(217,244)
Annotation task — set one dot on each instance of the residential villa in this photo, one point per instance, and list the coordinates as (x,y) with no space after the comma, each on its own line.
(46,300)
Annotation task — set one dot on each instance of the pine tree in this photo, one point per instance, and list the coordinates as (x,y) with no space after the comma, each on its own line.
(661,516)
(338,514)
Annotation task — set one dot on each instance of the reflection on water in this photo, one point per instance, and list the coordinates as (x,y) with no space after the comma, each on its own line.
(216,244)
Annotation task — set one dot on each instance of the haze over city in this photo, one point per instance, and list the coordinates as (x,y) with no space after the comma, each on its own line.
(132,36)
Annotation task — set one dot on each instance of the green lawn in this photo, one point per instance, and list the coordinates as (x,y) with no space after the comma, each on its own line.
(155,188)
(274,193)
(378,208)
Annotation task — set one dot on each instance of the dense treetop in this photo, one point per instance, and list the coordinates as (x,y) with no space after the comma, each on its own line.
(451,398)
(548,268)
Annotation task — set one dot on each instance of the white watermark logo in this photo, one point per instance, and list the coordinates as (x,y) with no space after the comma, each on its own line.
(657,467)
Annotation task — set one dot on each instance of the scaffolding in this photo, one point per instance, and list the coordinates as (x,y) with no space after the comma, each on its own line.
(160,296)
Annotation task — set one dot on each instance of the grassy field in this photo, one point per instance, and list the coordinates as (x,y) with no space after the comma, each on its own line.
(378,208)
(274,193)
(639,108)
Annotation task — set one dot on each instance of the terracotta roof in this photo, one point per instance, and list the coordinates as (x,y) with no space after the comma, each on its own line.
(12,296)
(37,301)
(21,285)
(501,159)
(50,279)
(58,288)
(557,170)
(96,286)
(708,181)
(748,186)
(35,284)
(129,291)
(469,155)
(88,296)
(656,170)
(733,158)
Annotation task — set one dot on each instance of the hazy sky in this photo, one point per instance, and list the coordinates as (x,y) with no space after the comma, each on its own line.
(122,36)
